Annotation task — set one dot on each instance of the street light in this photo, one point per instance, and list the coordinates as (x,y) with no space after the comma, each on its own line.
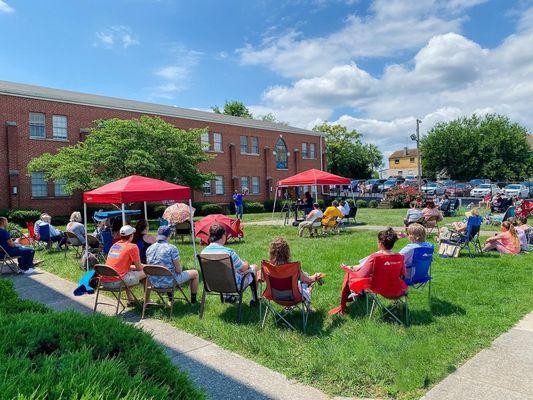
(416,138)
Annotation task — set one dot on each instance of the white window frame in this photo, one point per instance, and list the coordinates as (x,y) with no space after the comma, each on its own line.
(39,125)
(206,189)
(256,185)
(217,142)
(60,127)
(204,141)
(219,184)
(39,185)
(59,188)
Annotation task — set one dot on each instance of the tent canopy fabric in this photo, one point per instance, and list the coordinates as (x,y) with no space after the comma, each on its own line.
(314,177)
(136,188)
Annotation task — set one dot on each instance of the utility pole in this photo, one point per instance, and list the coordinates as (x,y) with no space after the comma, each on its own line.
(416,138)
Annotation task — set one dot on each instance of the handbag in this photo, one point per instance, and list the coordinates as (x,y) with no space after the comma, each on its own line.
(448,249)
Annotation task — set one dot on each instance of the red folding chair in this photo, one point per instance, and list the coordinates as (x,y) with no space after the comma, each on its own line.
(34,240)
(386,281)
(282,289)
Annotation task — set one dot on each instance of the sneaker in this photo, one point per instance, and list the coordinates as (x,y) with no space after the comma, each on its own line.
(29,271)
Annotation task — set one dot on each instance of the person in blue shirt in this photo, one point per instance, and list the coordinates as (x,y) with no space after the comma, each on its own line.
(239,201)
(13,249)
(417,238)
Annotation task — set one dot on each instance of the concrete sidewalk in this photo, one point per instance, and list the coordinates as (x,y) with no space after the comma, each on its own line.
(223,374)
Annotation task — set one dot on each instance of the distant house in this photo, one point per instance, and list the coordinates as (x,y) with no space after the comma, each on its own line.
(403,163)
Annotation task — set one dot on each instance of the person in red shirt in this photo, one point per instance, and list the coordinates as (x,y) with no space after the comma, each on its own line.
(124,258)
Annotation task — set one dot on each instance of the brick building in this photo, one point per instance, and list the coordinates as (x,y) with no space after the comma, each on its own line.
(248,153)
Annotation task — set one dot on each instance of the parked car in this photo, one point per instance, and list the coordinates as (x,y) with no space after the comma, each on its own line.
(390,183)
(433,189)
(374,185)
(485,189)
(458,189)
(410,178)
(516,189)
(529,185)
(477,182)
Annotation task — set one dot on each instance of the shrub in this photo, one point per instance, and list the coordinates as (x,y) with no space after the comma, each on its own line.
(253,207)
(70,355)
(361,203)
(350,203)
(373,204)
(400,197)
(4,212)
(21,216)
(211,208)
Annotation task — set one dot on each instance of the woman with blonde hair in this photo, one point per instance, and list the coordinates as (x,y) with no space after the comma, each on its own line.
(280,254)
(506,242)
(76,227)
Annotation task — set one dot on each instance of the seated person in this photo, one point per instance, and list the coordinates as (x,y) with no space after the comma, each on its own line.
(124,258)
(522,229)
(279,254)
(498,203)
(142,239)
(55,234)
(506,242)
(25,262)
(485,203)
(431,212)
(331,214)
(417,238)
(308,203)
(445,204)
(76,227)
(460,226)
(101,227)
(167,255)
(344,208)
(217,239)
(309,219)
(413,214)
(386,240)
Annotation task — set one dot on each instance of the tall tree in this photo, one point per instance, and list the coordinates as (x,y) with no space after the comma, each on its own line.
(472,147)
(117,148)
(347,155)
(235,108)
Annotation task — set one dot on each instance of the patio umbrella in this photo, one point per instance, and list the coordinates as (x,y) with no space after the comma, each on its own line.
(232,226)
(177,213)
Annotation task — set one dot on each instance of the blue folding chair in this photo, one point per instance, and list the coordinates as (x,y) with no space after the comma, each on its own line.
(163,222)
(107,241)
(419,272)
(45,237)
(470,237)
(497,219)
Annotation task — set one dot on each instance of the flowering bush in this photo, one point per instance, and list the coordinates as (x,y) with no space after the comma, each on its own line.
(399,197)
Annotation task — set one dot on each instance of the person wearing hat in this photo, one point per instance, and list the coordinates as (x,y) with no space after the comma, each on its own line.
(165,254)
(124,258)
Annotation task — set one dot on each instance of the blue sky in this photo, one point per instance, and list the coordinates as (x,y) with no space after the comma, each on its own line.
(373,65)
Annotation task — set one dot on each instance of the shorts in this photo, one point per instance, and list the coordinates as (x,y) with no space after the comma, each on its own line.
(132,278)
(248,278)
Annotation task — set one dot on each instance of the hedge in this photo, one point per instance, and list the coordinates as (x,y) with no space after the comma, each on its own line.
(361,203)
(21,216)
(67,355)
(253,207)
(211,208)
(373,204)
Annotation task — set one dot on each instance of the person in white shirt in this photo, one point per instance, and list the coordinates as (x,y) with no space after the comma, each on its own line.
(315,214)
(55,234)
(344,208)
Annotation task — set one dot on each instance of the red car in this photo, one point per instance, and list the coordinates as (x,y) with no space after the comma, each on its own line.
(458,189)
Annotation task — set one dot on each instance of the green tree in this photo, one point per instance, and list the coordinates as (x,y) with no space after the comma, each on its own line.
(472,147)
(117,148)
(235,108)
(269,117)
(346,154)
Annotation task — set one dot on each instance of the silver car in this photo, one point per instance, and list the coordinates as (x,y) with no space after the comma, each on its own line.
(485,189)
(434,189)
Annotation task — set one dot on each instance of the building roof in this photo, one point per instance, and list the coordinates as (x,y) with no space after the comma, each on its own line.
(402,153)
(66,96)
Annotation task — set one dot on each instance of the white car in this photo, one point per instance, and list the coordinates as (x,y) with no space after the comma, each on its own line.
(485,189)
(516,190)
(434,189)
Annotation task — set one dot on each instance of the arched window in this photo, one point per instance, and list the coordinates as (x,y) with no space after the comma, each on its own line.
(281,155)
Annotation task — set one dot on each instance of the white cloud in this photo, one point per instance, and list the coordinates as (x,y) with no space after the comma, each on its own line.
(118,35)
(5,8)
(392,26)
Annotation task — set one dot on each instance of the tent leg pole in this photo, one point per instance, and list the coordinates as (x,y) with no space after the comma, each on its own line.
(86,242)
(123,215)
(193,238)
(145,212)
(274,207)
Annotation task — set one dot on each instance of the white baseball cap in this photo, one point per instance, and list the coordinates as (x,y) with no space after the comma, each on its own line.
(127,230)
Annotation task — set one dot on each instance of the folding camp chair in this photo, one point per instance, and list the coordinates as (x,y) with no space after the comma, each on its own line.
(419,272)
(218,275)
(351,215)
(452,208)
(497,219)
(182,230)
(102,270)
(160,271)
(282,289)
(312,230)
(8,261)
(34,240)
(74,242)
(431,224)
(470,237)
(45,237)
(326,229)
(386,281)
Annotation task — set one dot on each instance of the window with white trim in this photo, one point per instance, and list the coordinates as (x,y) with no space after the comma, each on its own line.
(217,141)
(244,144)
(39,186)
(312,150)
(59,127)
(244,183)
(219,184)
(59,188)
(204,140)
(37,125)
(254,148)
(207,188)
(304,150)
(255,185)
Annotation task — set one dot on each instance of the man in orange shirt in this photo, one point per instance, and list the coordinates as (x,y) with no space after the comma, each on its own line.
(124,258)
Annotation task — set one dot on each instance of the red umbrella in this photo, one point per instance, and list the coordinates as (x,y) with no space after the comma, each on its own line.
(232,225)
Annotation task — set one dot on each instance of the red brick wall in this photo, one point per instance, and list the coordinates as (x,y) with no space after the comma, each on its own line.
(17,109)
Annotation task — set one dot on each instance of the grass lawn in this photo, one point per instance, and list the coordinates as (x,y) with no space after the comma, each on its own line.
(474,301)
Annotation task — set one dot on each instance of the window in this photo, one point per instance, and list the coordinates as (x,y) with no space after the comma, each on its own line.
(59,127)
(59,188)
(204,139)
(39,186)
(219,184)
(244,144)
(217,141)
(396,161)
(312,152)
(37,126)
(304,150)
(255,145)
(207,188)
(281,155)
(255,185)
(244,183)
(412,160)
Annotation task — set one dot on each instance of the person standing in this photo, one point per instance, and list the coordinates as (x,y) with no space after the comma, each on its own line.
(238,199)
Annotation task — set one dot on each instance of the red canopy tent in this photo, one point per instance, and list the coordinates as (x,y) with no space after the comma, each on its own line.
(136,188)
(311,177)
